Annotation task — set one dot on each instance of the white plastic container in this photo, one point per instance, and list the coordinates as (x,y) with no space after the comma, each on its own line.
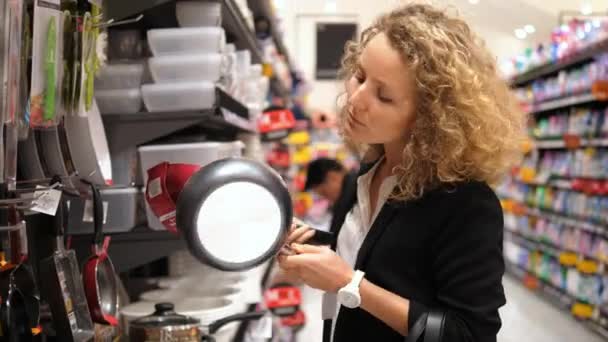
(192,153)
(186,41)
(119,101)
(119,76)
(205,67)
(120,211)
(198,13)
(165,97)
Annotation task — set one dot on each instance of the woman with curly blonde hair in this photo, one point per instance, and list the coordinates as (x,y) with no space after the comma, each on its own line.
(421,230)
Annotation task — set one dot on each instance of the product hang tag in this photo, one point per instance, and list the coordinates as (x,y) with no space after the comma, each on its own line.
(263,328)
(46,201)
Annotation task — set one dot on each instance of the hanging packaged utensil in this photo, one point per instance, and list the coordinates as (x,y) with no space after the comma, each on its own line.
(45,59)
(63,288)
(98,273)
(12,107)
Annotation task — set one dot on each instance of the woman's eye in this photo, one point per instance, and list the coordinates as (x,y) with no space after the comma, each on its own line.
(384,99)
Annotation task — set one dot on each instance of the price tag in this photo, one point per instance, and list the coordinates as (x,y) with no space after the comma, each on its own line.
(46,201)
(572,141)
(87,216)
(263,328)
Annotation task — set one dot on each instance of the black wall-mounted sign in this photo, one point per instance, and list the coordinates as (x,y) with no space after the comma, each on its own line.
(331,38)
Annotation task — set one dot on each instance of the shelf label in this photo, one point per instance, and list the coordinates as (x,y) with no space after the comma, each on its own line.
(572,141)
(568,259)
(531,282)
(582,310)
(588,266)
(599,89)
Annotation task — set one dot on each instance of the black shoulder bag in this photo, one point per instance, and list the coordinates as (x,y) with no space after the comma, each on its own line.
(429,326)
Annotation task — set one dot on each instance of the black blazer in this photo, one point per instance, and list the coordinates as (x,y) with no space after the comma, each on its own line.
(441,251)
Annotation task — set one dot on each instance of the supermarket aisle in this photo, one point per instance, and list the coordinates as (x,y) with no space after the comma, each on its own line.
(525,318)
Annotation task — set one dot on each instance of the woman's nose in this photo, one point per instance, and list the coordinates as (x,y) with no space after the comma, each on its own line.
(358,98)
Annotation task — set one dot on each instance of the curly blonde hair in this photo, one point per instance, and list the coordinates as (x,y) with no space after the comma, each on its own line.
(468,126)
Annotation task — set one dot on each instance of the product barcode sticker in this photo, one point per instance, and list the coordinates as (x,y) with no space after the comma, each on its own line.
(87,215)
(46,201)
(154,188)
(73,321)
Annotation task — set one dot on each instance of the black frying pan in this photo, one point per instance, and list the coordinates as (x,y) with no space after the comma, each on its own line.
(200,188)
(223,223)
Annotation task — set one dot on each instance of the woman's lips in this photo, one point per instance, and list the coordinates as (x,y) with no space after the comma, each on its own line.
(354,120)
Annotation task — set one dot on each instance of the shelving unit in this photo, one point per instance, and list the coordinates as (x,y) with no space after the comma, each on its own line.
(525,238)
(548,144)
(548,69)
(564,102)
(161,14)
(584,224)
(544,246)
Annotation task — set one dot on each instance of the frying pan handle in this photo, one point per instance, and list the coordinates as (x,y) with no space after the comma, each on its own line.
(97,215)
(240,317)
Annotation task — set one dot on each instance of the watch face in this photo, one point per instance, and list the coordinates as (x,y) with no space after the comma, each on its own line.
(349,299)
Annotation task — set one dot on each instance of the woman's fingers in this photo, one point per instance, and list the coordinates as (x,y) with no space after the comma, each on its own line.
(300,235)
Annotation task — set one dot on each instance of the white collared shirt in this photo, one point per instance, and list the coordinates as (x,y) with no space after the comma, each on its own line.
(356,225)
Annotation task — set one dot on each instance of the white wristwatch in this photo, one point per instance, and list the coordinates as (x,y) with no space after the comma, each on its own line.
(349,295)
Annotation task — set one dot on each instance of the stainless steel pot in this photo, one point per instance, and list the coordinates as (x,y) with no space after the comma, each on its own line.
(165,325)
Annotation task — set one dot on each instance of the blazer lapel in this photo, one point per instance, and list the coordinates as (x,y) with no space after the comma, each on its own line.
(387,212)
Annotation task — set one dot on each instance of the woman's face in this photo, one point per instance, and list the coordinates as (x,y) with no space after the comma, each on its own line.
(381,96)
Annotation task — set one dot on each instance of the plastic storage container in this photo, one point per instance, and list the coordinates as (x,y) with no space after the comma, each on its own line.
(192,153)
(120,211)
(205,67)
(119,76)
(164,97)
(186,41)
(198,13)
(119,101)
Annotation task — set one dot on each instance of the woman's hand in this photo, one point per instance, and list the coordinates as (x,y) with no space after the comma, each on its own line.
(299,234)
(318,267)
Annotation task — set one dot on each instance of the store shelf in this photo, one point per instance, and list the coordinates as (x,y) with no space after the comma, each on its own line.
(126,130)
(133,249)
(568,101)
(547,291)
(548,144)
(234,22)
(161,14)
(545,247)
(264,8)
(551,294)
(548,69)
(600,229)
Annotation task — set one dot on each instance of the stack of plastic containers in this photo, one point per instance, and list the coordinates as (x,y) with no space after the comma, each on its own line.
(187,61)
(117,88)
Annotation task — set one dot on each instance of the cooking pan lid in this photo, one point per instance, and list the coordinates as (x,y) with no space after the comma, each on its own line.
(164,316)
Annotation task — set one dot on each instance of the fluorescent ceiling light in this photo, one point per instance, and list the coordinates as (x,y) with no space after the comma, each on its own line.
(474,2)
(530,29)
(586,8)
(331,6)
(520,33)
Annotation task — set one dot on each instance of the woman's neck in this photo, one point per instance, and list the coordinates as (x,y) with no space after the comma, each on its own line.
(393,155)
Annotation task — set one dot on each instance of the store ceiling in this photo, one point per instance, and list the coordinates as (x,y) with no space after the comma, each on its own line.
(497,20)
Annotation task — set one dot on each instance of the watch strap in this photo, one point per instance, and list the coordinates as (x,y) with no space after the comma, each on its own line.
(357,278)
